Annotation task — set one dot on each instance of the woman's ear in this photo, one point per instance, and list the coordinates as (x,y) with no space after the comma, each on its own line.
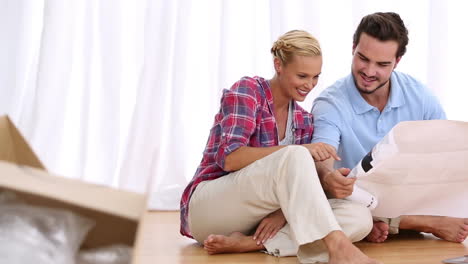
(278,65)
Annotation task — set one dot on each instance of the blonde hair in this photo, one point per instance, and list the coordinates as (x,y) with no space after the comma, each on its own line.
(295,42)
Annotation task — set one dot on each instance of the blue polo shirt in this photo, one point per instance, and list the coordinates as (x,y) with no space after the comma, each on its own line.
(343,119)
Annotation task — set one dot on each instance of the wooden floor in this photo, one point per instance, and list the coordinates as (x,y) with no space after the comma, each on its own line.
(159,241)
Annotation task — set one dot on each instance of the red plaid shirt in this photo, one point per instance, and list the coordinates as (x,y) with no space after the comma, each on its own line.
(245,118)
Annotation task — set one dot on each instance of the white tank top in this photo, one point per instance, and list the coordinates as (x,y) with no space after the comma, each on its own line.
(289,135)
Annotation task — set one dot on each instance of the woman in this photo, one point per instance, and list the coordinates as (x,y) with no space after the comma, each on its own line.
(257,187)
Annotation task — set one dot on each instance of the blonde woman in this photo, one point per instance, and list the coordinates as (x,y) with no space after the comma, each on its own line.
(257,187)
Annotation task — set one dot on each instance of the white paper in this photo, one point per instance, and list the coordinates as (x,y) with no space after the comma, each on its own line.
(419,168)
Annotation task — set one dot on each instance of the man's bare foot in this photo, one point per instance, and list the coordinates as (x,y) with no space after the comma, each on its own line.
(379,232)
(234,243)
(449,228)
(342,251)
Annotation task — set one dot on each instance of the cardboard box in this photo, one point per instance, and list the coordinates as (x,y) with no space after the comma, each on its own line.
(117,213)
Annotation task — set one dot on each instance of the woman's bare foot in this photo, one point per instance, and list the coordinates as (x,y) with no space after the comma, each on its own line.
(449,228)
(342,251)
(234,243)
(379,232)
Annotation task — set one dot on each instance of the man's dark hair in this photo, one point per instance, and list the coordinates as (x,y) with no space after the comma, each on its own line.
(384,26)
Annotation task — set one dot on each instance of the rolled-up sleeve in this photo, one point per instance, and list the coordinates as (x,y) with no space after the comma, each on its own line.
(238,114)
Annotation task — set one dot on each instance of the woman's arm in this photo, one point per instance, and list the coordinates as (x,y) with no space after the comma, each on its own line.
(244,156)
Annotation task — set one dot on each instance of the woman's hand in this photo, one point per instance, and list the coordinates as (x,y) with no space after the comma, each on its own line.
(269,226)
(322,151)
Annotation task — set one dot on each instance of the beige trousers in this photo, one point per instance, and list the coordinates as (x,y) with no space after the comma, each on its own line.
(286,179)
(393,224)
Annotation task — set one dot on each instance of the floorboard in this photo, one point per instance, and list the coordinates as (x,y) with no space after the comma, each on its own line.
(159,241)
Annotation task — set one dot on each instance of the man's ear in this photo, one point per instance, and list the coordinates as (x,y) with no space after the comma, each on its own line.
(278,65)
(397,61)
(354,48)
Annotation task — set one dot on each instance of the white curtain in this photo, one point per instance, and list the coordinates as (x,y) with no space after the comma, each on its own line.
(123,93)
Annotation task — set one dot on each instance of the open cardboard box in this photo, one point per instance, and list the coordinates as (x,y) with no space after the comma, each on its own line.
(117,213)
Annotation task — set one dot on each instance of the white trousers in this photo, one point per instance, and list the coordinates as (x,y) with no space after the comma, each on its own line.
(286,179)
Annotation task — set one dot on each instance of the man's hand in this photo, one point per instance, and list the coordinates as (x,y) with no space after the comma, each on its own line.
(269,226)
(337,185)
(321,151)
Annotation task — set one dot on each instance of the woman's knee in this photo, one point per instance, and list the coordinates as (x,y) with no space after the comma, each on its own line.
(298,164)
(297,151)
(299,157)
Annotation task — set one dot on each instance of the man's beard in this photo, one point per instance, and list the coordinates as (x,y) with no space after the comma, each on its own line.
(369,92)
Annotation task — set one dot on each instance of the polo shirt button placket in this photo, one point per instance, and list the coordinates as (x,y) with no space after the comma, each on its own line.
(379,121)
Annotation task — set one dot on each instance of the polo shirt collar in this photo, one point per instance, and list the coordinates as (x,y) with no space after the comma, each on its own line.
(397,98)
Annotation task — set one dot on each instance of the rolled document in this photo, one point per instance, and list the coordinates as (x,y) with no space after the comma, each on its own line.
(363,197)
(360,195)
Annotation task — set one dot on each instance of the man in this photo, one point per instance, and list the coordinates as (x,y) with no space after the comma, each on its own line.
(359,110)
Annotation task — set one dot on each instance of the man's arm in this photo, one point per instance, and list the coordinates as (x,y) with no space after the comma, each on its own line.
(327,122)
(324,167)
(334,182)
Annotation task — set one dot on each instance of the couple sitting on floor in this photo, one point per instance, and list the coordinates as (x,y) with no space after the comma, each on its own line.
(267,179)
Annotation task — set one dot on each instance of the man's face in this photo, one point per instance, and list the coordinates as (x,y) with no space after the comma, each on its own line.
(373,63)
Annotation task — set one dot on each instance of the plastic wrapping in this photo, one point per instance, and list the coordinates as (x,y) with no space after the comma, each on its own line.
(7,197)
(459,260)
(115,254)
(39,235)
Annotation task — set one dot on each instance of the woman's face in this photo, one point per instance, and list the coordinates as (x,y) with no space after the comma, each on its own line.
(298,77)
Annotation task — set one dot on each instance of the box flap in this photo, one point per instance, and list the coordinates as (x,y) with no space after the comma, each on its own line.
(116,212)
(13,146)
